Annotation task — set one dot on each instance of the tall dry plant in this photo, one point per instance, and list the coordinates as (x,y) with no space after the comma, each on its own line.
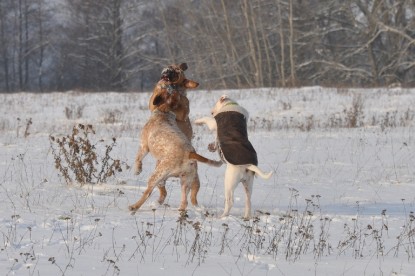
(77,159)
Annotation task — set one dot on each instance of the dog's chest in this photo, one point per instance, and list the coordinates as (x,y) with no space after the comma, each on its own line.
(182,111)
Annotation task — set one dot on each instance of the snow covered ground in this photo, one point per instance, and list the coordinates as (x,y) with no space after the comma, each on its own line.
(340,202)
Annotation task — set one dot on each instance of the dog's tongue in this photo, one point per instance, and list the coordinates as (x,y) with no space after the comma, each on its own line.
(165,77)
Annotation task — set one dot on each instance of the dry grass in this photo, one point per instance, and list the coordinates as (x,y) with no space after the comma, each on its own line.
(76,157)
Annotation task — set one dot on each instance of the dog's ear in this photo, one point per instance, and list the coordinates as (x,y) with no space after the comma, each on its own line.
(158,100)
(190,84)
(166,102)
(183,66)
(162,102)
(223,98)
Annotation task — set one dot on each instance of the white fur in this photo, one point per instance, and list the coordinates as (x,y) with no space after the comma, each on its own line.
(208,121)
(234,173)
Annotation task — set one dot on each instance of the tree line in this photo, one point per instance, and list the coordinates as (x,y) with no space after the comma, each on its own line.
(122,45)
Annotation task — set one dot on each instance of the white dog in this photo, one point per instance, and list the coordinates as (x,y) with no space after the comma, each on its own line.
(230,123)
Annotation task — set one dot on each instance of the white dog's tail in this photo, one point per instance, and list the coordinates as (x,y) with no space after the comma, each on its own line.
(259,172)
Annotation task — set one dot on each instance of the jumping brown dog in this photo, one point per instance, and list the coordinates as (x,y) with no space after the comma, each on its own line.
(173,151)
(174,79)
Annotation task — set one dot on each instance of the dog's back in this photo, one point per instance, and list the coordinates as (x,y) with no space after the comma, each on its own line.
(164,138)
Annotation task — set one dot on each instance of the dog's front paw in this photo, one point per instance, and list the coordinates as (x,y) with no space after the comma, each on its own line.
(224,215)
(199,122)
(132,208)
(138,168)
(212,147)
(209,121)
(137,172)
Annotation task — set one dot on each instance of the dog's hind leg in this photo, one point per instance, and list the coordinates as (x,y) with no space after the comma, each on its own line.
(138,165)
(163,193)
(232,178)
(157,178)
(195,186)
(248,183)
(186,182)
(162,189)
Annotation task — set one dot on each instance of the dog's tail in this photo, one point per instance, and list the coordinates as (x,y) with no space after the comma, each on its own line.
(259,172)
(194,155)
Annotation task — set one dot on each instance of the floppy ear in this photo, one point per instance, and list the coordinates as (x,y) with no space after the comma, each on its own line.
(158,100)
(190,84)
(183,66)
(223,98)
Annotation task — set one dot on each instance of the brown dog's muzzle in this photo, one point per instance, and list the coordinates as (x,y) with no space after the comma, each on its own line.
(168,74)
(174,73)
(171,74)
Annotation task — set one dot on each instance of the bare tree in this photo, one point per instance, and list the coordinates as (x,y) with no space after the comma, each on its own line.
(122,45)
(4,45)
(95,36)
(23,43)
(282,44)
(291,44)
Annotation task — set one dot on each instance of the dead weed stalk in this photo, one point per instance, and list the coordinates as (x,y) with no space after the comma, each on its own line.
(77,159)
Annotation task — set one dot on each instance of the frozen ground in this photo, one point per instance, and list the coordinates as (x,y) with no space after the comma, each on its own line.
(340,202)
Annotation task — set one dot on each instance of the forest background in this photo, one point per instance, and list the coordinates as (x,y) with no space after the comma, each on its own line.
(120,45)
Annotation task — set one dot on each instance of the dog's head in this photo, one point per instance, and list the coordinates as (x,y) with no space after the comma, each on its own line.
(168,99)
(174,74)
(222,102)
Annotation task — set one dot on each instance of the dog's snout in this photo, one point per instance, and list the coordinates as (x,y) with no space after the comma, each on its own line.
(168,74)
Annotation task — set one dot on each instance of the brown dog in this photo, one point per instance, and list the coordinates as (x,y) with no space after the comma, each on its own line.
(174,79)
(173,151)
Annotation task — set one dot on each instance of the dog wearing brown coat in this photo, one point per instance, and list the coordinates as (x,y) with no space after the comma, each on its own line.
(229,121)
(173,78)
(173,151)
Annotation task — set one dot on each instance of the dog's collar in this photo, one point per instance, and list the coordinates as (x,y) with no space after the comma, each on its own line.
(231,103)
(233,106)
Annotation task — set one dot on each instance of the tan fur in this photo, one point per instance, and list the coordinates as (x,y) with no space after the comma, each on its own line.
(173,151)
(182,109)
(178,79)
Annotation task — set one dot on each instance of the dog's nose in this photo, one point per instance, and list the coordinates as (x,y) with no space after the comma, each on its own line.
(167,74)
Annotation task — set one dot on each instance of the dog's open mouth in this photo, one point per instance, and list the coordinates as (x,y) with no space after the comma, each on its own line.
(169,74)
